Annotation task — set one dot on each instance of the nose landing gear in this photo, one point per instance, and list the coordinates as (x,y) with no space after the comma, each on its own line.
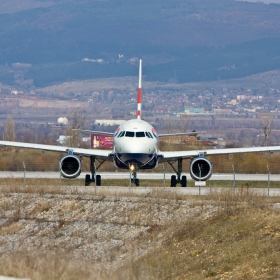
(134,179)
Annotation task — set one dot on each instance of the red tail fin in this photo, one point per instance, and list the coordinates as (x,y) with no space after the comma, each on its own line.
(139,104)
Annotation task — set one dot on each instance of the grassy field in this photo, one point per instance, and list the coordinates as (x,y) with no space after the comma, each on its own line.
(239,240)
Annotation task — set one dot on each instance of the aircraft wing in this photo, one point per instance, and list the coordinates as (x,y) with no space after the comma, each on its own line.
(167,156)
(193,133)
(95,132)
(101,154)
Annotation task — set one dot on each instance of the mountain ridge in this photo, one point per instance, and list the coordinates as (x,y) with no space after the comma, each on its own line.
(181,41)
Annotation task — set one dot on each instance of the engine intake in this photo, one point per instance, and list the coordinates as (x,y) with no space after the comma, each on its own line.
(201,169)
(70,166)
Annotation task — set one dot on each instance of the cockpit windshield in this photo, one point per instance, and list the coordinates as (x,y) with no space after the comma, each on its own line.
(129,134)
(121,134)
(148,134)
(140,134)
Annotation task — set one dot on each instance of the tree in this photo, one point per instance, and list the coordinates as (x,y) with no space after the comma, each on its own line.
(266,121)
(78,122)
(9,133)
(175,126)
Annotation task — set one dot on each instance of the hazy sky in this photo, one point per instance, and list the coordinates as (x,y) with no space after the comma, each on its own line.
(264,1)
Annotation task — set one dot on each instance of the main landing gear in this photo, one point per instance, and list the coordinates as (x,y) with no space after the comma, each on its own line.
(94,178)
(178,180)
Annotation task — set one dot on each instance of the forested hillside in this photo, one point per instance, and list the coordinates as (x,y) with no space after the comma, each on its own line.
(179,41)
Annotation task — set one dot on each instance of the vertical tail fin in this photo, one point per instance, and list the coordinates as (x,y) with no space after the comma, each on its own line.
(139,104)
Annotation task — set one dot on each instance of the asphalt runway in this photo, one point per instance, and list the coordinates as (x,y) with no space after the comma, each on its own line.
(140,175)
(202,190)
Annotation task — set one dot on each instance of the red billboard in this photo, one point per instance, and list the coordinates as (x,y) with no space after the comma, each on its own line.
(101,141)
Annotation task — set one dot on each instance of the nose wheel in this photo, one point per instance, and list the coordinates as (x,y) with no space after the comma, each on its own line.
(134,179)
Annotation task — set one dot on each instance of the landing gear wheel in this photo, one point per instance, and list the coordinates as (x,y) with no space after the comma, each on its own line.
(173,181)
(98,180)
(134,178)
(87,180)
(184,181)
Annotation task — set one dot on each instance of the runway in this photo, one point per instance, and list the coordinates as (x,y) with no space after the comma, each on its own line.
(152,176)
(140,175)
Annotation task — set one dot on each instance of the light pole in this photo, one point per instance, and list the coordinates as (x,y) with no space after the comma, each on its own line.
(233,185)
(268,180)
(164,171)
(199,167)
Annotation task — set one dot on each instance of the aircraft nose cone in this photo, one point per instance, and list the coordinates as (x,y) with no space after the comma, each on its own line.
(136,147)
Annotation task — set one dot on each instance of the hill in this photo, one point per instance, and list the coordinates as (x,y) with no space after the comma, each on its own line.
(179,40)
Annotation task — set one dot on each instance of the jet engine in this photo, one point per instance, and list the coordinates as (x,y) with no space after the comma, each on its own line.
(201,169)
(70,166)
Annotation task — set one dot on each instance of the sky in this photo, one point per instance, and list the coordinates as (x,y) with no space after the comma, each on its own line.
(264,1)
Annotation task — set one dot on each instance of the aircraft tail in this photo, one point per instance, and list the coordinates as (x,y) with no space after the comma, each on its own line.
(139,104)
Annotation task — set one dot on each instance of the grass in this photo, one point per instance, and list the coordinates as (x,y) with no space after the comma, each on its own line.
(241,240)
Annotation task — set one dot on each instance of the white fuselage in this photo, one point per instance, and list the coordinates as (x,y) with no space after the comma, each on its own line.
(135,142)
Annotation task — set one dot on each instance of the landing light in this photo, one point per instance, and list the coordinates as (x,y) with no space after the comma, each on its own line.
(132,167)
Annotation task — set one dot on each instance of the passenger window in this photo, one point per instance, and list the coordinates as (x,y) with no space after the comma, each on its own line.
(140,134)
(129,134)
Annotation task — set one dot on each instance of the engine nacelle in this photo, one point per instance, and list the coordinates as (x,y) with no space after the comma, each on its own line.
(70,166)
(201,169)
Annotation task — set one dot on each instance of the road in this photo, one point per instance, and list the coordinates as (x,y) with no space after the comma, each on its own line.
(152,176)
(145,176)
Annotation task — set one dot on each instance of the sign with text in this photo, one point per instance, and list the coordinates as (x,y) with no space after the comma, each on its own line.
(101,141)
(200,183)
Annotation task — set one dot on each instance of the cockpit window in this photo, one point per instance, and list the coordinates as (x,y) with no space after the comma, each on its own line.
(121,134)
(140,134)
(148,134)
(129,134)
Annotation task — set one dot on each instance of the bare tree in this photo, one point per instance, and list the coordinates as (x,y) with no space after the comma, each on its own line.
(10,134)
(78,122)
(176,126)
(184,123)
(266,121)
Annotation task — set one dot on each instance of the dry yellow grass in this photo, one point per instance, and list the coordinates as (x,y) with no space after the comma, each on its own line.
(240,241)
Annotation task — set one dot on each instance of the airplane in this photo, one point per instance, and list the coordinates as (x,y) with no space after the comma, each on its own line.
(136,148)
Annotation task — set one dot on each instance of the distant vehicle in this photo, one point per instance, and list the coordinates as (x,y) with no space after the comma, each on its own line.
(135,146)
